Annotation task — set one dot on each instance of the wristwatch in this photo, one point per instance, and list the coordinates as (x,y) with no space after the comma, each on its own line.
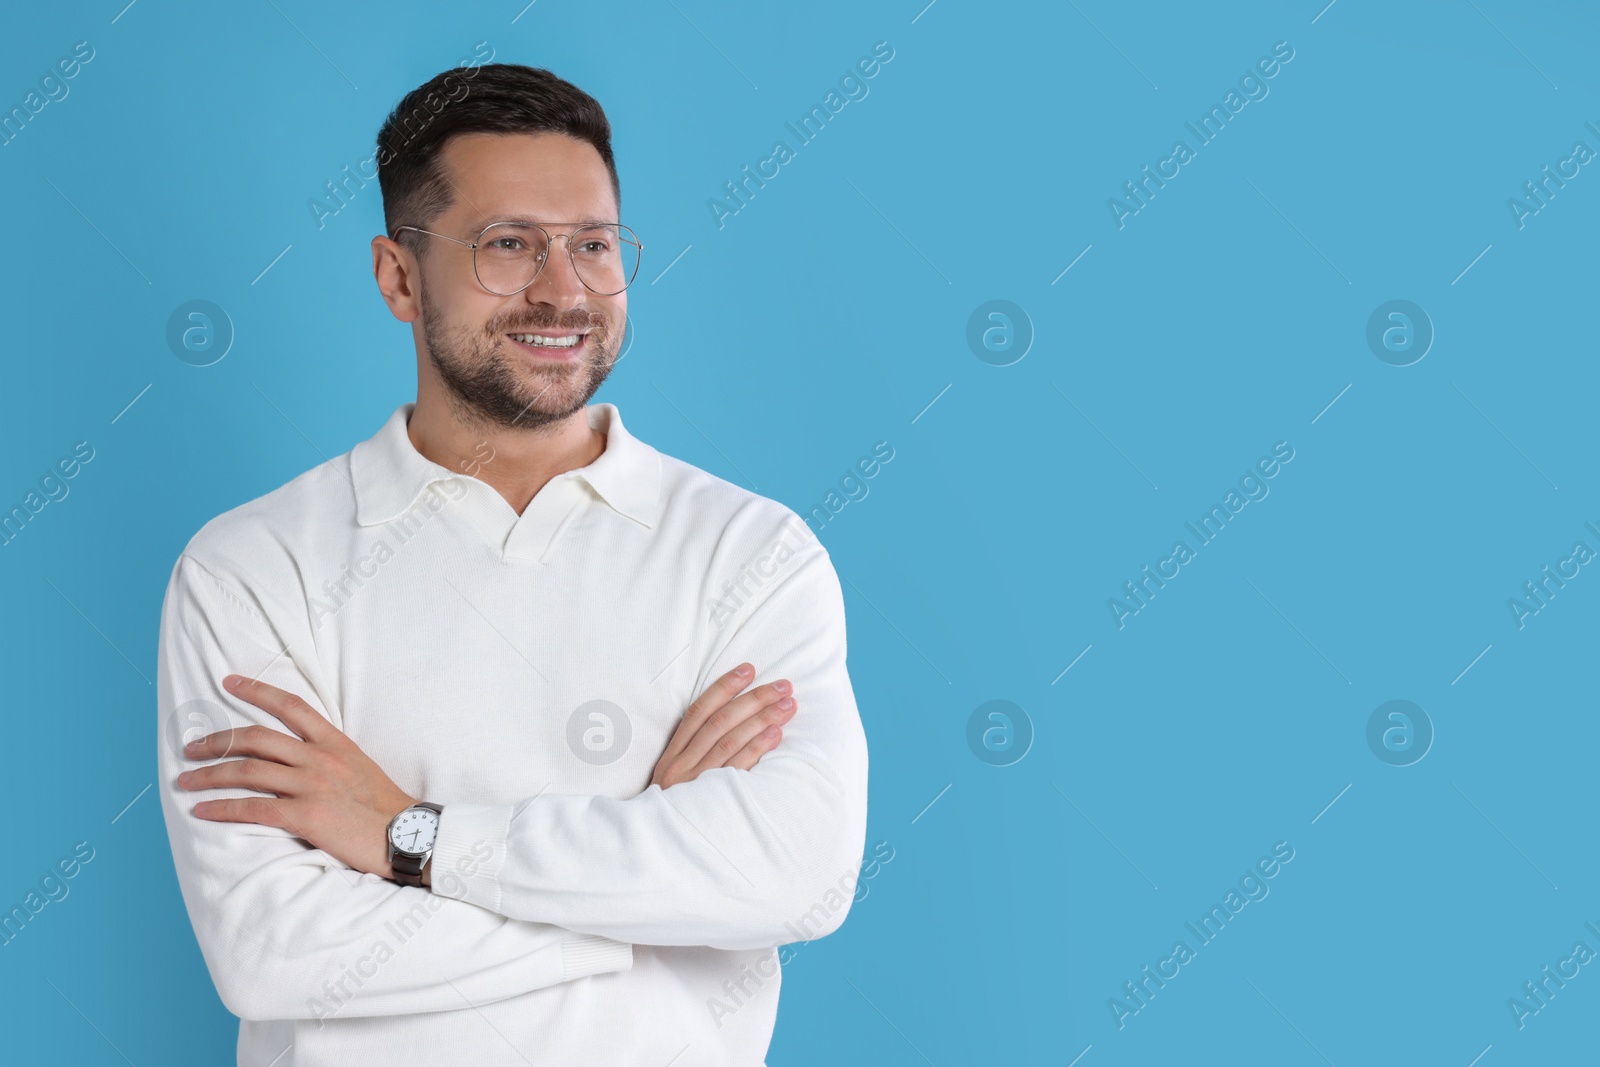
(411,837)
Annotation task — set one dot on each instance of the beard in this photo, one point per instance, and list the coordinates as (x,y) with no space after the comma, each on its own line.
(489,386)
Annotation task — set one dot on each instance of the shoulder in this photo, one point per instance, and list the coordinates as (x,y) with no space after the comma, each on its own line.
(260,544)
(746,550)
(736,519)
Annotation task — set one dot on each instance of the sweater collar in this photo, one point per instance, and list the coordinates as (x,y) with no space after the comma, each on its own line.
(389,473)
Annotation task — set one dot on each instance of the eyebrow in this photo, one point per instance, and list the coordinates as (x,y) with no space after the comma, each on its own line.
(528,220)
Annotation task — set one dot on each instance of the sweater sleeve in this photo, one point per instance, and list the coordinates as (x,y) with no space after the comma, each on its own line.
(288,931)
(732,860)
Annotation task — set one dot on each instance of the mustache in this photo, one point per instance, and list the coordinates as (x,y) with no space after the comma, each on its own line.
(580,322)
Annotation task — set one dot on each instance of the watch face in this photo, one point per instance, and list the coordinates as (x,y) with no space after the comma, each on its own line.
(414,829)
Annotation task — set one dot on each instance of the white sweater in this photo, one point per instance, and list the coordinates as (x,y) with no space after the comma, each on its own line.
(525,672)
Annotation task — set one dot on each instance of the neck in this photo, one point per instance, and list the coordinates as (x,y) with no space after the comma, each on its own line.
(516,462)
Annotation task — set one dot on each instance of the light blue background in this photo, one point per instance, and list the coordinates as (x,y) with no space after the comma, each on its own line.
(826,316)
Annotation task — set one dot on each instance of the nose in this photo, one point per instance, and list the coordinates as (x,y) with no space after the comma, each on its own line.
(558,283)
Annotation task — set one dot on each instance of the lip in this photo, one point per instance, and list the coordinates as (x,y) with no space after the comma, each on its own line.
(555,355)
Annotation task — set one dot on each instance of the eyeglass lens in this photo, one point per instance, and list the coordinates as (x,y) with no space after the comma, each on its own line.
(509,257)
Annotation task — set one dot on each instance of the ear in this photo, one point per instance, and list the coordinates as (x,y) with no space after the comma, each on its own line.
(397,273)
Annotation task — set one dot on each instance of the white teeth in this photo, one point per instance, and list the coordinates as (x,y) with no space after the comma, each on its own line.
(547,342)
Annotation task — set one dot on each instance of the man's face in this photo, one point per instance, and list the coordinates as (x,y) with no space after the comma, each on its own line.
(555,180)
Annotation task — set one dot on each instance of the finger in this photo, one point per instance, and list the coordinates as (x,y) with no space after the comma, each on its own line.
(261,776)
(727,718)
(759,746)
(734,741)
(262,741)
(288,708)
(264,811)
(717,694)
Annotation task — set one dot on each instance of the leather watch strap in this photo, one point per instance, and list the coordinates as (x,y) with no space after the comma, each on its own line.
(408,869)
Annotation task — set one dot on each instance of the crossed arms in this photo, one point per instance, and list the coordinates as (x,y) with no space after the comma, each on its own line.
(720,850)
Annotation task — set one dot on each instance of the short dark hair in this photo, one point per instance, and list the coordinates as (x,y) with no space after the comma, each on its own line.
(491,98)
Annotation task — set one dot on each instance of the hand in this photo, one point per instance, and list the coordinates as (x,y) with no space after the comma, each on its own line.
(328,792)
(721,730)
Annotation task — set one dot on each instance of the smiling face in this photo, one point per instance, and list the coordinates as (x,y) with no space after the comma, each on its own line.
(478,343)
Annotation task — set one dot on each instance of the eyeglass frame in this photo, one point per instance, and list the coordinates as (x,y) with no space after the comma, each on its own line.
(549,239)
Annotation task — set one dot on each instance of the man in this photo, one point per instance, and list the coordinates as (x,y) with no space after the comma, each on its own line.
(452,809)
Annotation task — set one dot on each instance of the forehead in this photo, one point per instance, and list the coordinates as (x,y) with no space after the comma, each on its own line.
(546,176)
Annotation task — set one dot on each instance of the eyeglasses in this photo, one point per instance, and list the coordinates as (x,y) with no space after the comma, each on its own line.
(508,256)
